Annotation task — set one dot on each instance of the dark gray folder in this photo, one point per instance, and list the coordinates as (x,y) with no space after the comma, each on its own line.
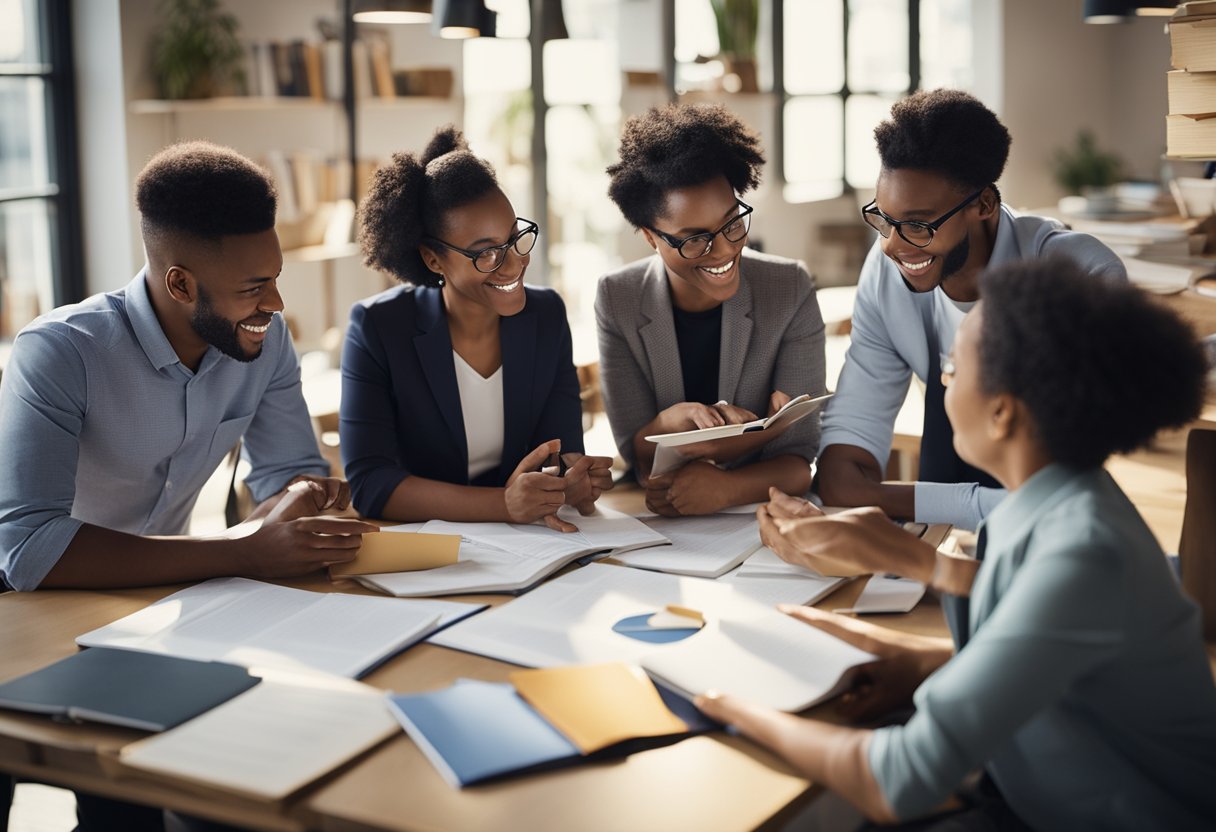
(124,687)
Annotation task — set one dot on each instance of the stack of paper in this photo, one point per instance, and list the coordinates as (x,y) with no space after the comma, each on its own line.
(272,740)
(572,618)
(261,625)
(512,557)
(476,731)
(704,547)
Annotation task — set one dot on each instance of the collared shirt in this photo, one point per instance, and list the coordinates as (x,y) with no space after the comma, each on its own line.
(1084,688)
(892,331)
(101,423)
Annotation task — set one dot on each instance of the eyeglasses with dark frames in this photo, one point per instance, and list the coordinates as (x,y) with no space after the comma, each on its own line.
(918,233)
(490,258)
(698,245)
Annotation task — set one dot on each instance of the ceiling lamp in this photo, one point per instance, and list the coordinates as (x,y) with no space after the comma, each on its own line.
(393,11)
(1108,11)
(462,19)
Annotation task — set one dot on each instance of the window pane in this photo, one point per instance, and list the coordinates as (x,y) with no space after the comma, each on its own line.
(514,18)
(945,44)
(498,111)
(24,141)
(26,286)
(19,32)
(862,115)
(581,72)
(813,130)
(814,46)
(878,45)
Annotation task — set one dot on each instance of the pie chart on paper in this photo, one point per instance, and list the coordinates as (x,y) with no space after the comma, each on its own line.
(661,627)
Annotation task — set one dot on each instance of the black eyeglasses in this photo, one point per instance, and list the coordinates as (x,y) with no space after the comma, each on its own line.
(489,259)
(698,245)
(918,233)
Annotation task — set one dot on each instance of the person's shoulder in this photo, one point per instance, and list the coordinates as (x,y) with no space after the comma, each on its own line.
(391,303)
(628,273)
(95,322)
(773,267)
(1039,236)
(545,300)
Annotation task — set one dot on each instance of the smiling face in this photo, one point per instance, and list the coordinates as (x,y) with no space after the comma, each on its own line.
(236,294)
(487,221)
(955,255)
(709,280)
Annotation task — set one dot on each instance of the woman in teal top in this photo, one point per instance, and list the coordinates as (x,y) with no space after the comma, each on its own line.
(1077,678)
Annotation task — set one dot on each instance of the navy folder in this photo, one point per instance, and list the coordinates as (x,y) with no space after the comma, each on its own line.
(124,687)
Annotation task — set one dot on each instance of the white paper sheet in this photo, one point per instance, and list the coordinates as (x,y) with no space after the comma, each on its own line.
(888,593)
(704,547)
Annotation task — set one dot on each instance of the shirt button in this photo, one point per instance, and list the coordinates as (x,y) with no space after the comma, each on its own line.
(169,485)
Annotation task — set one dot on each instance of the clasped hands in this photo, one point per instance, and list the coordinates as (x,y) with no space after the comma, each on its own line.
(535,493)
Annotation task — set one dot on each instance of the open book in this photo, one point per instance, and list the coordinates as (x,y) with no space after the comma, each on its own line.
(513,557)
(259,625)
(794,410)
(603,613)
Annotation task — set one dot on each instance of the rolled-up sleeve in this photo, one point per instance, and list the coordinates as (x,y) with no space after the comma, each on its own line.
(874,381)
(371,452)
(43,399)
(960,504)
(279,442)
(1061,618)
(800,368)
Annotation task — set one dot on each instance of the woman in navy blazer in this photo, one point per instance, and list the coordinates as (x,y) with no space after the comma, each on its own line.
(459,387)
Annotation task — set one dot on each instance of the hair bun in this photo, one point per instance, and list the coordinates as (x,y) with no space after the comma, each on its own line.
(445,140)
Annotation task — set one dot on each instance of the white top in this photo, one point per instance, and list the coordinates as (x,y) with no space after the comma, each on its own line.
(481,404)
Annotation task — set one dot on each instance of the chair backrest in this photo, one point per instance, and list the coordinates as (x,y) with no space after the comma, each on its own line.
(1197,548)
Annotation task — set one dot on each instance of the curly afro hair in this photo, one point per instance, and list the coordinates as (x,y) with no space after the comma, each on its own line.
(680,146)
(204,190)
(408,199)
(1099,365)
(947,132)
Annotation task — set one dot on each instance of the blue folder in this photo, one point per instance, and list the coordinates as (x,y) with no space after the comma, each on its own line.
(477,731)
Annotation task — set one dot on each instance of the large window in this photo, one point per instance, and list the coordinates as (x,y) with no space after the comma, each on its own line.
(39,213)
(845,63)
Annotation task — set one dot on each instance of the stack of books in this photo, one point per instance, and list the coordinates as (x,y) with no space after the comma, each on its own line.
(1191,123)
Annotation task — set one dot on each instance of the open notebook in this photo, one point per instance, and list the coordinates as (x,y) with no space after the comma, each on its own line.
(513,557)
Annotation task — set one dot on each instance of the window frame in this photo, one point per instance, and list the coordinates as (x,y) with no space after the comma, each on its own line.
(62,195)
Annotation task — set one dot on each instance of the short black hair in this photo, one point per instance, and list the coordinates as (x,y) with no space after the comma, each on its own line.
(1100,366)
(408,199)
(204,190)
(680,146)
(947,132)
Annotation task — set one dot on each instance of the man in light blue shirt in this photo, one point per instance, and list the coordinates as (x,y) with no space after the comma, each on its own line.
(115,411)
(941,223)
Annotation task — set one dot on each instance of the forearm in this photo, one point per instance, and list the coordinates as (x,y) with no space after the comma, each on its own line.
(100,558)
(418,499)
(850,477)
(831,755)
(750,483)
(643,451)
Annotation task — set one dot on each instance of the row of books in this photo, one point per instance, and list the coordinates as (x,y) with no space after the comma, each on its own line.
(1191,123)
(315,204)
(314,70)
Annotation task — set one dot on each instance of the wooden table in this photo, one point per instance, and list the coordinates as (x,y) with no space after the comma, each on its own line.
(706,783)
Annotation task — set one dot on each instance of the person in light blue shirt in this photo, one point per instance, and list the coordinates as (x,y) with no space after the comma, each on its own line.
(1078,680)
(115,411)
(941,223)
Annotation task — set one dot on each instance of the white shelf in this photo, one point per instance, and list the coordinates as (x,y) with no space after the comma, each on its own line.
(253,103)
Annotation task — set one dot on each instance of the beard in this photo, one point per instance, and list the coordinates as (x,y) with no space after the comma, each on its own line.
(952,264)
(217,330)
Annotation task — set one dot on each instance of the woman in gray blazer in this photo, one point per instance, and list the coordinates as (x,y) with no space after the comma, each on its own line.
(705,332)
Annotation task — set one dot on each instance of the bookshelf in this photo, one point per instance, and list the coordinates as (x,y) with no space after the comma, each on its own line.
(152,106)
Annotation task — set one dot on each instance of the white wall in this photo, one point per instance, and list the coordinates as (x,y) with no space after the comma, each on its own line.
(1062,75)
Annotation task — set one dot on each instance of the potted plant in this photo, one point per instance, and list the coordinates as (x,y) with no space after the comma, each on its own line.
(1086,170)
(738,23)
(195,51)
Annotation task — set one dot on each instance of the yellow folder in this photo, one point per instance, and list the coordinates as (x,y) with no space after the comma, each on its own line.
(599,705)
(400,552)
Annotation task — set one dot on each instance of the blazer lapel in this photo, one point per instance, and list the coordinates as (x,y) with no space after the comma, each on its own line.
(736,337)
(517,334)
(658,334)
(434,346)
